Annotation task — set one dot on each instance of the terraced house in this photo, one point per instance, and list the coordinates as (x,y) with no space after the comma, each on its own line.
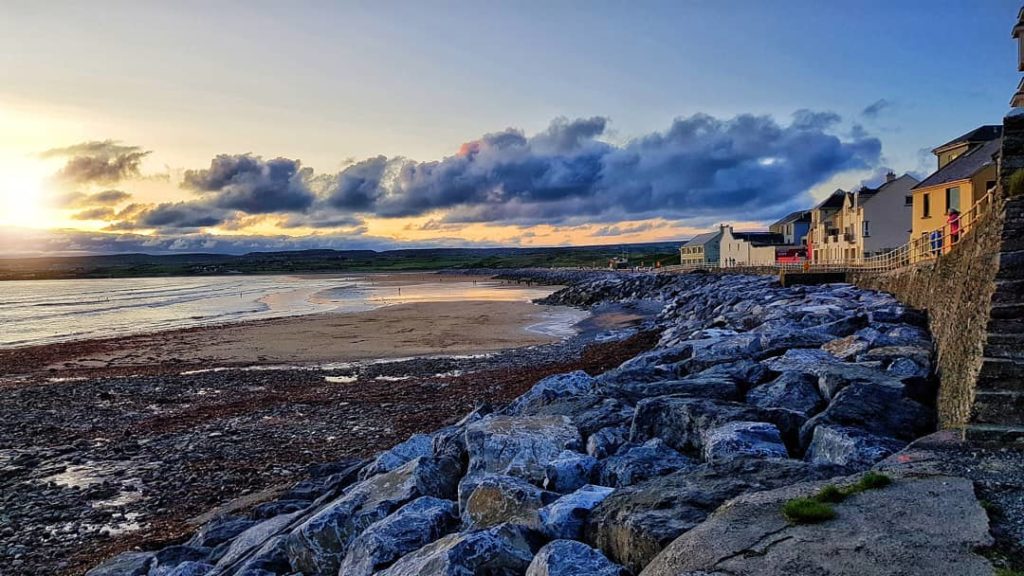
(702,249)
(966,172)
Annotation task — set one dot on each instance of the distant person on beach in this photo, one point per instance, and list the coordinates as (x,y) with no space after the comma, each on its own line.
(953,221)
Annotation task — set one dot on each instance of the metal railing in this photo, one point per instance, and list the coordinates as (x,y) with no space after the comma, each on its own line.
(928,246)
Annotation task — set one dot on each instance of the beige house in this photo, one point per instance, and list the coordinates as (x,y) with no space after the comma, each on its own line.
(701,250)
(749,248)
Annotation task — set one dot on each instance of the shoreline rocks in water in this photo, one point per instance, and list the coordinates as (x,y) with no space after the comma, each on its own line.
(752,392)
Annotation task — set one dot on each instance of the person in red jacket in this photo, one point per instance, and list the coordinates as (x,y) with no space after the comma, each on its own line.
(953,222)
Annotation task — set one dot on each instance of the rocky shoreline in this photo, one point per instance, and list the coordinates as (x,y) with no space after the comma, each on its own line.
(753,396)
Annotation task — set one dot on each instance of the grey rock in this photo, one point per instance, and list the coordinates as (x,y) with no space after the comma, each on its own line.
(569,471)
(607,441)
(795,391)
(589,413)
(170,557)
(571,558)
(125,564)
(633,524)
(682,422)
(220,530)
(253,540)
(318,545)
(848,446)
(413,526)
(916,527)
(504,550)
(551,389)
(720,387)
(637,462)
(565,517)
(270,558)
(519,446)
(847,348)
(878,408)
(277,507)
(418,445)
(500,499)
(191,569)
(743,440)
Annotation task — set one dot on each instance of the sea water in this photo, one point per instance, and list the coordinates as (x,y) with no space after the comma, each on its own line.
(48,311)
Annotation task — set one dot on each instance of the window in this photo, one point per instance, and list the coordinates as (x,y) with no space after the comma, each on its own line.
(867,230)
(992,183)
(926,205)
(953,198)
(908,201)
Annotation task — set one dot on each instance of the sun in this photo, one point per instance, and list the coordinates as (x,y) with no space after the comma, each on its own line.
(21,199)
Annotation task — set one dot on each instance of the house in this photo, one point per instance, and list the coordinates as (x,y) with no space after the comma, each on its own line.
(749,248)
(793,227)
(702,249)
(884,218)
(822,238)
(966,172)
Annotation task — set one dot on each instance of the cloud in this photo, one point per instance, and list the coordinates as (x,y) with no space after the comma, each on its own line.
(622,230)
(875,108)
(82,200)
(253,185)
(699,169)
(103,213)
(98,162)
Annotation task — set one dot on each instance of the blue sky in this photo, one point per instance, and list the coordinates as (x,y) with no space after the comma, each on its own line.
(332,84)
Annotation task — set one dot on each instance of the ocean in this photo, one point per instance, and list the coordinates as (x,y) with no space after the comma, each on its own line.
(48,311)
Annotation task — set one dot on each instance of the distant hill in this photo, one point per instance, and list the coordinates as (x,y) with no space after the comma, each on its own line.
(325,261)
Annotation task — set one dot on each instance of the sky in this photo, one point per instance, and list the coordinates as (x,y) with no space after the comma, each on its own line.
(236,126)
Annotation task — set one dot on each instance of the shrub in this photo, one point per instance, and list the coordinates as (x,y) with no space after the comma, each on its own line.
(807,511)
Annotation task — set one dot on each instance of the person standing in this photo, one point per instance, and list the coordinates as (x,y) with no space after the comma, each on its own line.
(953,222)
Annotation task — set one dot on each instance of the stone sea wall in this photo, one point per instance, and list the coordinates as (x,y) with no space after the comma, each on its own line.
(752,388)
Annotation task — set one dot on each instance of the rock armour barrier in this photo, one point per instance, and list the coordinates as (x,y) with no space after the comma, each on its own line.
(751,388)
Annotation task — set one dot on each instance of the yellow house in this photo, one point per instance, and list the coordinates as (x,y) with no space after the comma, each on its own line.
(966,171)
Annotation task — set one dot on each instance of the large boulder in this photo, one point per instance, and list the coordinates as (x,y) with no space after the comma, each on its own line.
(252,540)
(220,530)
(318,545)
(565,517)
(191,569)
(413,526)
(550,390)
(743,440)
(717,387)
(519,446)
(637,462)
(633,524)
(418,445)
(795,391)
(682,422)
(589,413)
(607,441)
(569,471)
(504,550)
(882,409)
(846,446)
(915,527)
(270,558)
(125,564)
(500,499)
(571,558)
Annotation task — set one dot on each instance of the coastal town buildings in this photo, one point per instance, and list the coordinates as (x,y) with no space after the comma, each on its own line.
(793,227)
(966,172)
(822,238)
(702,249)
(750,248)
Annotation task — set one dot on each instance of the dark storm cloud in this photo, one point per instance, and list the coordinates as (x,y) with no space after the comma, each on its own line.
(700,166)
(699,169)
(99,162)
(250,184)
(82,200)
(876,108)
(182,215)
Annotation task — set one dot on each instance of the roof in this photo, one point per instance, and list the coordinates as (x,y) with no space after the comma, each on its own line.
(985,133)
(761,238)
(872,192)
(834,200)
(963,166)
(798,216)
(702,239)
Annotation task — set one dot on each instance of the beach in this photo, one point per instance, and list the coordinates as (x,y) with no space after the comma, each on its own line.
(112,444)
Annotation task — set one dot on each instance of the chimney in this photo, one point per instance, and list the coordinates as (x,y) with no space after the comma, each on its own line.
(890,176)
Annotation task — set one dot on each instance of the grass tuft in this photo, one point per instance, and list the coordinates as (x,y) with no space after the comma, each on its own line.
(872,481)
(831,493)
(807,511)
